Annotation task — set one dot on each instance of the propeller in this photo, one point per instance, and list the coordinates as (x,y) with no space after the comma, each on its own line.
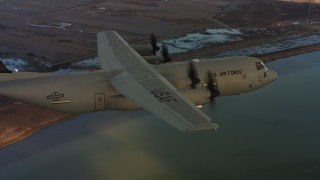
(193,75)
(165,53)
(153,43)
(212,87)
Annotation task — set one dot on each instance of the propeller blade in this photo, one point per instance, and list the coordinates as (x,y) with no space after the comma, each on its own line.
(165,53)
(153,43)
(212,87)
(193,75)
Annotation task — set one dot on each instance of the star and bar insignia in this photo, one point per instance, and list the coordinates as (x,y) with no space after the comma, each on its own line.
(55,96)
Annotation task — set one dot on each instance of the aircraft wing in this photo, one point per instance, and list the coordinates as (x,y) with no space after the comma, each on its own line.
(145,86)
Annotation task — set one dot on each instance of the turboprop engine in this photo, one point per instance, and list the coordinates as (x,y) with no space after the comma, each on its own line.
(148,52)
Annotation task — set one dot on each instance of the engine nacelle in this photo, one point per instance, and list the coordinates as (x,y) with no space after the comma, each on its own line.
(154,59)
(197,96)
(143,50)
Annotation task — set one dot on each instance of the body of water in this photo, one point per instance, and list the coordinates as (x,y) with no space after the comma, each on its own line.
(272,133)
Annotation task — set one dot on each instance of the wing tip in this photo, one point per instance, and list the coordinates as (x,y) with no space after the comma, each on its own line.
(106,32)
(213,126)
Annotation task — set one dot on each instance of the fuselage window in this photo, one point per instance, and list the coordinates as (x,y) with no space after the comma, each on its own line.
(260,65)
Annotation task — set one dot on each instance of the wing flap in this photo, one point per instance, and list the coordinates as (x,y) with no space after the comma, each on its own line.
(164,103)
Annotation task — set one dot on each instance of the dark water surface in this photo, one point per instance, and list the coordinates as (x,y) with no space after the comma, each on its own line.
(272,133)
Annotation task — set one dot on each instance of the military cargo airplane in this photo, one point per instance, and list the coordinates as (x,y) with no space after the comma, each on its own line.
(130,79)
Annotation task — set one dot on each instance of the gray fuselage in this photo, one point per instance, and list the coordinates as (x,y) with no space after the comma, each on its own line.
(89,92)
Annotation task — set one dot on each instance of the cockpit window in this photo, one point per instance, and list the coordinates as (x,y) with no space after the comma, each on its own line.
(260,65)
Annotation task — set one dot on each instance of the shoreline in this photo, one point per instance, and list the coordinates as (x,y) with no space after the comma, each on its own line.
(15,128)
(32,131)
(61,118)
(269,57)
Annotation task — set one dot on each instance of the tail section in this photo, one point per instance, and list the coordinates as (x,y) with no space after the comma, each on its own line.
(3,68)
(7,75)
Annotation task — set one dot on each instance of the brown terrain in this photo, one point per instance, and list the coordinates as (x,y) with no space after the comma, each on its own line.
(58,31)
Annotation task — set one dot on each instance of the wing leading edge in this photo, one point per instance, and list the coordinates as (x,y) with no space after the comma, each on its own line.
(146,87)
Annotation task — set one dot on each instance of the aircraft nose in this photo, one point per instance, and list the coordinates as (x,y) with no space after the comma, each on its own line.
(272,75)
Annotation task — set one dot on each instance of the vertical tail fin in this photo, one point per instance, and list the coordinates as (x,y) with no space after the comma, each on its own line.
(3,68)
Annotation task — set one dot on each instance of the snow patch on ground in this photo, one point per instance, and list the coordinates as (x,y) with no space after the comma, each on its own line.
(295,42)
(87,62)
(216,36)
(202,39)
(13,63)
(86,65)
(311,22)
(70,71)
(23,65)
(63,26)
